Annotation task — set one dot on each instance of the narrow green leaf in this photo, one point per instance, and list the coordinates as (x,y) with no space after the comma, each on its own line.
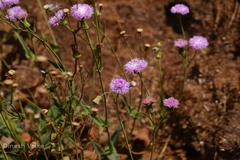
(115,134)
(57,65)
(28,53)
(111,152)
(100,151)
(55,48)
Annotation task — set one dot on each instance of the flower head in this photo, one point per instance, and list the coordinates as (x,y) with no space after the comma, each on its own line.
(53,7)
(9,3)
(171,102)
(180,43)
(136,65)
(119,86)
(81,11)
(57,18)
(149,101)
(15,13)
(1,5)
(180,9)
(198,42)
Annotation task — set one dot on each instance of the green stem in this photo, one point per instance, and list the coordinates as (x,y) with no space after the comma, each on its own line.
(181,25)
(139,108)
(144,84)
(115,55)
(184,76)
(12,130)
(4,153)
(75,68)
(101,83)
(155,133)
(153,141)
(122,127)
(40,141)
(46,20)
(125,39)
(50,50)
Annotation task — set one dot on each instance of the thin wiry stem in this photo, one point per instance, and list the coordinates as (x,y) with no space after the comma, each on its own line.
(122,127)
(46,20)
(181,25)
(101,82)
(4,152)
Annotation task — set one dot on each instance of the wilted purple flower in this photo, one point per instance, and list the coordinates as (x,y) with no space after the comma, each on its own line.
(15,13)
(198,42)
(57,18)
(119,86)
(53,7)
(9,3)
(180,9)
(180,43)
(171,102)
(81,11)
(136,65)
(149,101)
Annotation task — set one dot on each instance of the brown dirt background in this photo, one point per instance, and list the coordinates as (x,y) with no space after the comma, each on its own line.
(206,125)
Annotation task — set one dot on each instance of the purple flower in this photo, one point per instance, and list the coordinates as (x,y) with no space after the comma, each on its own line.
(15,13)
(136,65)
(198,42)
(1,5)
(119,86)
(81,11)
(180,43)
(171,102)
(9,3)
(180,9)
(149,101)
(57,18)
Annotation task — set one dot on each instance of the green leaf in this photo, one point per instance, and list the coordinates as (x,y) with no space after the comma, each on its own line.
(111,152)
(135,114)
(28,53)
(55,48)
(129,108)
(115,134)
(100,151)
(57,65)
(54,112)
(99,121)
(45,139)
(97,99)
(42,126)
(14,157)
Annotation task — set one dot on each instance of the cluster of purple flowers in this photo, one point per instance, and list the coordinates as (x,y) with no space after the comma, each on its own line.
(196,42)
(120,85)
(7,3)
(57,18)
(15,12)
(78,11)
